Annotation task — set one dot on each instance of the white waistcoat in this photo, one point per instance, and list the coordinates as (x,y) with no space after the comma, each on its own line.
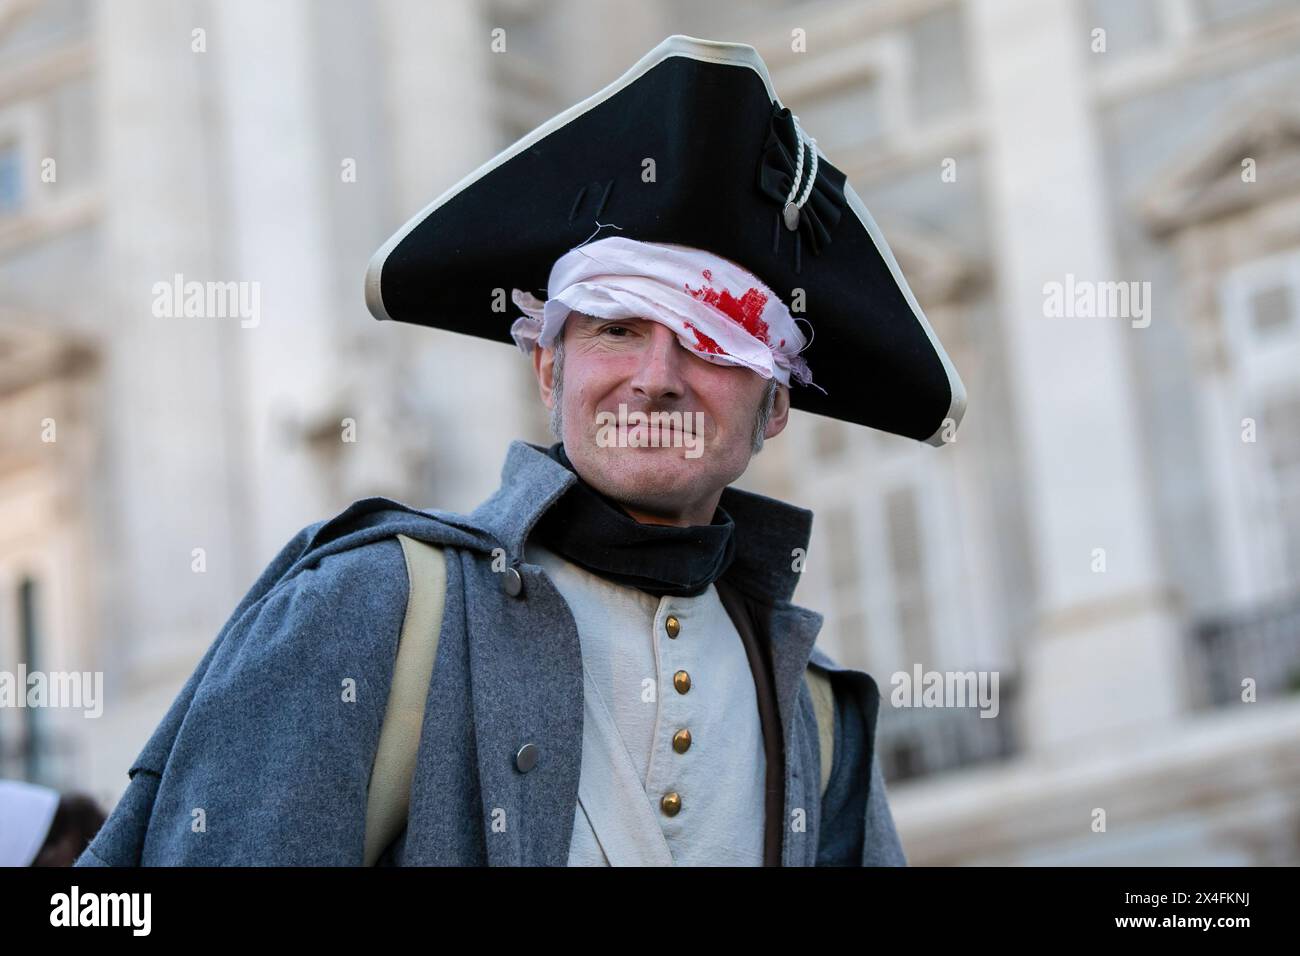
(634,706)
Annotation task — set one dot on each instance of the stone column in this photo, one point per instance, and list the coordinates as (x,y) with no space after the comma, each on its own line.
(169,482)
(440,123)
(274,170)
(1105,654)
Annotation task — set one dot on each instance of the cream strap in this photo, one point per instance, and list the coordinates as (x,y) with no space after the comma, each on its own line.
(399,738)
(823,697)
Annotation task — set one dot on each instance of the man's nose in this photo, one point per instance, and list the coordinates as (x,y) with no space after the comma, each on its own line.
(659,374)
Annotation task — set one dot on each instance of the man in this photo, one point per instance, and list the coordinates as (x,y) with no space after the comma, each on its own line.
(620,675)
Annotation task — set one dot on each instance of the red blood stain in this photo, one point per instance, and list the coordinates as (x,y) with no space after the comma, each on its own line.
(704,343)
(747,311)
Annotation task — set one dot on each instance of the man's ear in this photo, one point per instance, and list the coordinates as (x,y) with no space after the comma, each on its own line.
(780,412)
(544,366)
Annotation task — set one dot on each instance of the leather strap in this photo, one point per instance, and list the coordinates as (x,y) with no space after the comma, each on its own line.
(819,682)
(399,738)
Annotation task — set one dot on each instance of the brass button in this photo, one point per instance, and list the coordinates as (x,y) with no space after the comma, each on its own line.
(682,741)
(682,681)
(673,626)
(671,803)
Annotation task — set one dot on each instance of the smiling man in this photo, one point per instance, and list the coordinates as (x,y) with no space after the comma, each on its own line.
(602,663)
(651,380)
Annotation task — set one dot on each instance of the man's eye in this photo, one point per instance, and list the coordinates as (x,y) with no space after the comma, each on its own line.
(622,328)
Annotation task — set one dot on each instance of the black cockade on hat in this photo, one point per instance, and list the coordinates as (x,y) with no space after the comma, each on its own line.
(787,152)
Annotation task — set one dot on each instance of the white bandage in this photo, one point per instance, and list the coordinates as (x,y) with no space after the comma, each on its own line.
(720,311)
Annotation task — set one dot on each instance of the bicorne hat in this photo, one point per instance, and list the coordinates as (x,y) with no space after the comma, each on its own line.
(690,146)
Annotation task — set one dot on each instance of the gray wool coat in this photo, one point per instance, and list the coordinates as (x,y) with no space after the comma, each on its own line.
(262,759)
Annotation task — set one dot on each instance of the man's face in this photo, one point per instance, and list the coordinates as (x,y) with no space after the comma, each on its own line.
(641,364)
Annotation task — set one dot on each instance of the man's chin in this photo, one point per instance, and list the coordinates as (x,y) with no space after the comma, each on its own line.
(662,474)
(675,451)
(655,457)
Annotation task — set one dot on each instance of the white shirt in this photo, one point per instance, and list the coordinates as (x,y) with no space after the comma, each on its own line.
(631,662)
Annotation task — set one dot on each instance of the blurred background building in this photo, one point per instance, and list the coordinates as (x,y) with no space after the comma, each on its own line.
(1115,531)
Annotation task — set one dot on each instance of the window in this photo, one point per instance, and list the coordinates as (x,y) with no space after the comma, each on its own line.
(939,81)
(1272,312)
(1280,440)
(879,578)
(1261,318)
(28,635)
(846,585)
(11,183)
(907,565)
(21,739)
(1260,304)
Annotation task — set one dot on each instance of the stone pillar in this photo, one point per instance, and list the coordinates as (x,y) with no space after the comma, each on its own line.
(170,477)
(1105,654)
(440,124)
(274,171)
(168,483)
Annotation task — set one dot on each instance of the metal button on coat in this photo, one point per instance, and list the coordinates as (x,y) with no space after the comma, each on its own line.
(673,626)
(682,681)
(526,759)
(671,803)
(511,582)
(682,741)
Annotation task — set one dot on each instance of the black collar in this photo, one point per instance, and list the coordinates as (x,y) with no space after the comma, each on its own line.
(595,532)
(771,535)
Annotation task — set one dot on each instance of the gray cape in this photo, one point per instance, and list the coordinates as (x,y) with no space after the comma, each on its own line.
(265,759)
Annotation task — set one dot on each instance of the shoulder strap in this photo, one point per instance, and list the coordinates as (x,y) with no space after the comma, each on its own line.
(399,739)
(819,682)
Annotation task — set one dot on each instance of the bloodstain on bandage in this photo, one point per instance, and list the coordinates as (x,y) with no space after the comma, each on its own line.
(705,344)
(747,311)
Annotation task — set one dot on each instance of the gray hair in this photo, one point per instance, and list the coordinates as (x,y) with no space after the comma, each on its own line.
(764,416)
(557,392)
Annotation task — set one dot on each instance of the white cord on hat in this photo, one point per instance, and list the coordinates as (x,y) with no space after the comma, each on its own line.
(792,217)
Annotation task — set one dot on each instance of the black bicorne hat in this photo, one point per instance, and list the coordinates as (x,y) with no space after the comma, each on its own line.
(691,146)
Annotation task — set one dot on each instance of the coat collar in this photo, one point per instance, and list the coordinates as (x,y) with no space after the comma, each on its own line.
(770,534)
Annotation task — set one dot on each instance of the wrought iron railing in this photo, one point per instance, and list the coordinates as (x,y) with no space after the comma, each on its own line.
(1262,644)
(918,741)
